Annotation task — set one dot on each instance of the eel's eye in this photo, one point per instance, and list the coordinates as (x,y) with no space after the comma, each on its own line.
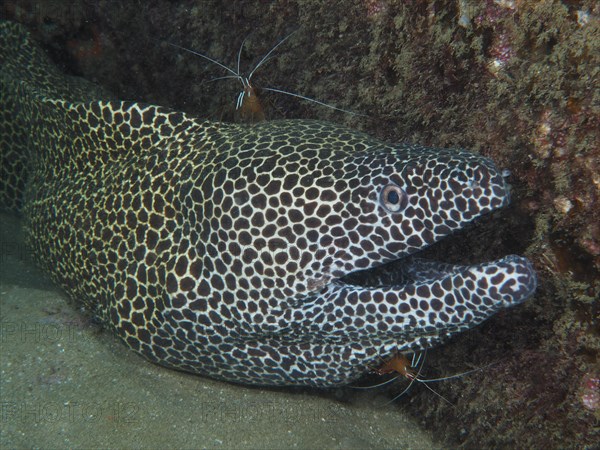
(393,198)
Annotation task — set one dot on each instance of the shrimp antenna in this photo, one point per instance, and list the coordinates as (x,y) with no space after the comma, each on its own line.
(224,77)
(208,58)
(377,385)
(313,100)
(437,393)
(266,57)
(240,54)
(433,380)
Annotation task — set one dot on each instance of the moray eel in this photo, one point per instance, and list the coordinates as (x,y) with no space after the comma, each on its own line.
(229,251)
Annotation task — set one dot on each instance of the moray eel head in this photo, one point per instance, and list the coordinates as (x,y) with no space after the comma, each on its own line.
(305,221)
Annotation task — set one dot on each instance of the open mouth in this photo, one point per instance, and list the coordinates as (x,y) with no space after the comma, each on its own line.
(505,281)
(415,303)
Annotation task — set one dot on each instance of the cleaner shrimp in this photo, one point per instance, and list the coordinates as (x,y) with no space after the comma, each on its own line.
(248,105)
(411,370)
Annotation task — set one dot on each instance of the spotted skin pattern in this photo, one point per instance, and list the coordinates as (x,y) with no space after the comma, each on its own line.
(243,252)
